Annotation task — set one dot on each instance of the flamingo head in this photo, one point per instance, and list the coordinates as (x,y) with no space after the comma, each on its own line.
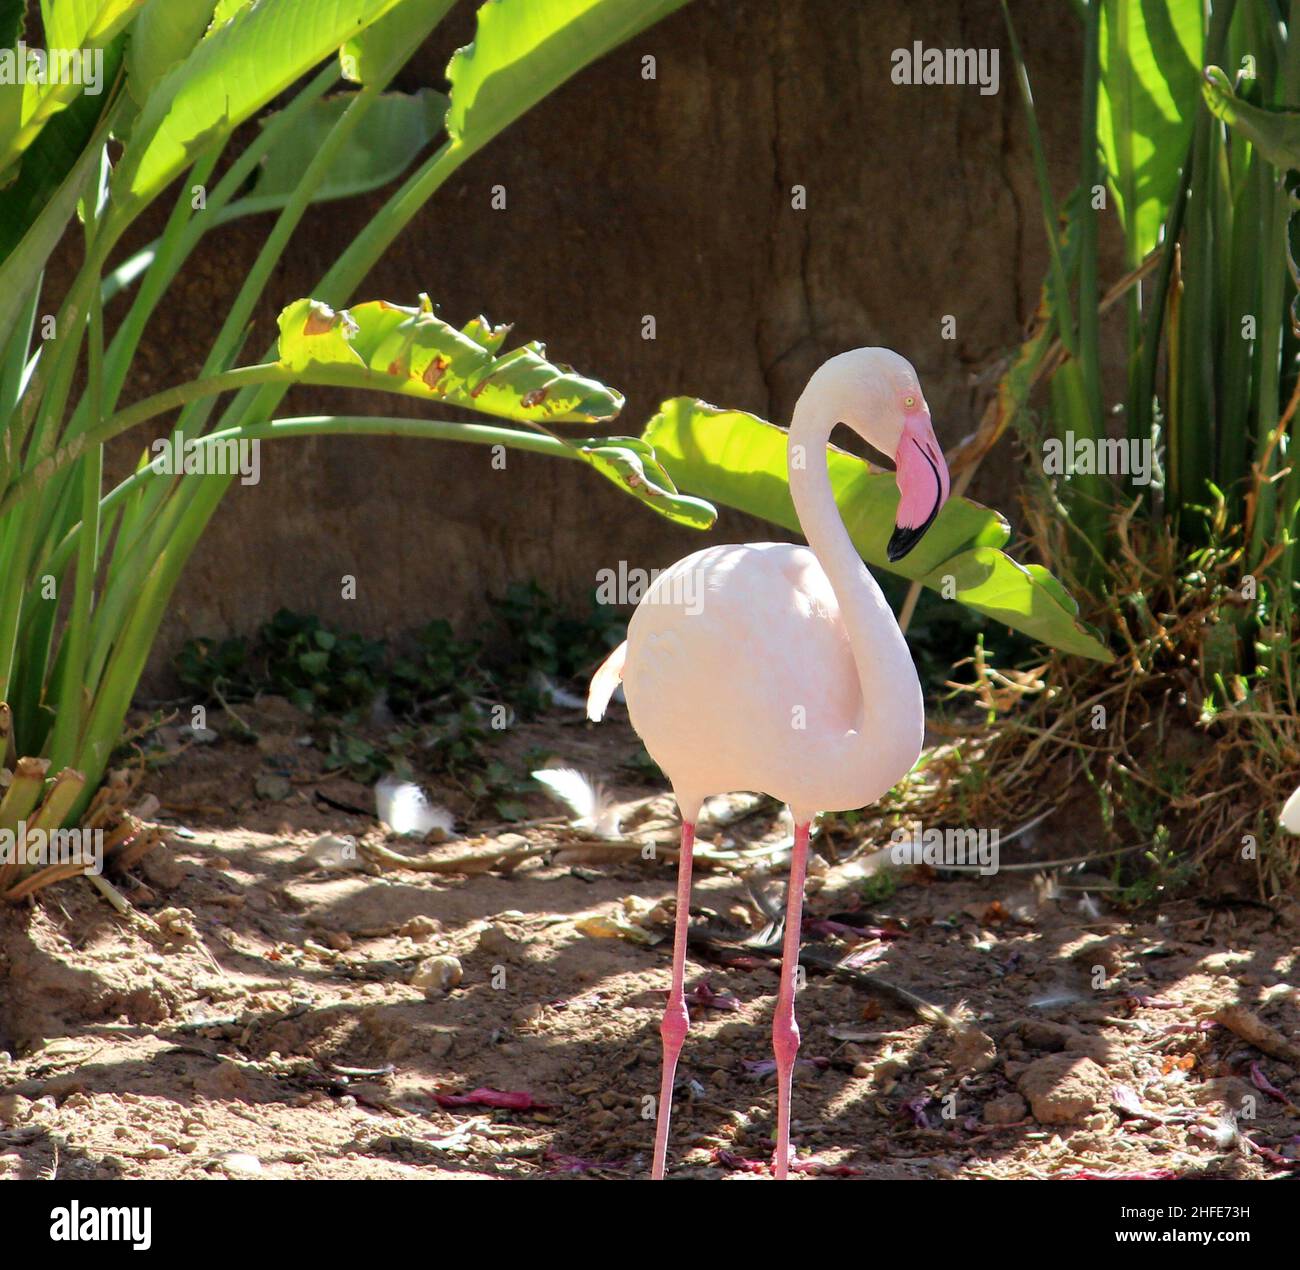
(920,471)
(877,393)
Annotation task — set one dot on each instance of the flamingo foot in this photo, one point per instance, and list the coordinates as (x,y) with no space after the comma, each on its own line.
(785,1031)
(676,1020)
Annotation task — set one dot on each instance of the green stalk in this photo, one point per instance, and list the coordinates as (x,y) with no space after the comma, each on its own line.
(70,692)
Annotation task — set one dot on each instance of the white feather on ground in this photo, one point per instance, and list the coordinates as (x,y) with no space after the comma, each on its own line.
(594,811)
(403,807)
(1291,813)
(556,695)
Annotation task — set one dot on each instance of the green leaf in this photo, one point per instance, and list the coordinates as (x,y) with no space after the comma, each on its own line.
(1274,133)
(56,152)
(525,49)
(396,128)
(430,359)
(1150,51)
(74,31)
(165,32)
(234,72)
(990,582)
(225,10)
(633,466)
(23,266)
(738,460)
(379,51)
(13,14)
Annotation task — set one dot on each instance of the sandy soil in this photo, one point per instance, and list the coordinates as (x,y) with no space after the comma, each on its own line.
(264,1021)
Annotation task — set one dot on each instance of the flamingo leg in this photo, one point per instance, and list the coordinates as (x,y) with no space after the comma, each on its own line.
(676,1020)
(785,1031)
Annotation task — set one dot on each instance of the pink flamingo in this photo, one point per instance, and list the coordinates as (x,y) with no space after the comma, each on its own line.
(780,669)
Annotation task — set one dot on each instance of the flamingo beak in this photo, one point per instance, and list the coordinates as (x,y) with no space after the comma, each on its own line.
(923,484)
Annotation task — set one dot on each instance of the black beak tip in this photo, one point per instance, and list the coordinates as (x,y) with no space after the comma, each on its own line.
(902,540)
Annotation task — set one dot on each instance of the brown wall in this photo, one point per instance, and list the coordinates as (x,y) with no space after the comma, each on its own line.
(628,197)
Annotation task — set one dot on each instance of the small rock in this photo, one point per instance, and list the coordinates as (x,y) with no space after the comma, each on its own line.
(496,942)
(1008,1109)
(200,736)
(154,1151)
(1064,1088)
(437,974)
(240,1164)
(177,924)
(419,928)
(13,1109)
(333,851)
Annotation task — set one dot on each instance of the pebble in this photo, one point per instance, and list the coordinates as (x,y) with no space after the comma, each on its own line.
(419,928)
(437,974)
(240,1164)
(1064,1088)
(333,851)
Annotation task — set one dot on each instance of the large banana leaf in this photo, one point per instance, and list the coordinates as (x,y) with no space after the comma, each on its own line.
(416,353)
(1150,54)
(524,49)
(421,355)
(736,459)
(239,67)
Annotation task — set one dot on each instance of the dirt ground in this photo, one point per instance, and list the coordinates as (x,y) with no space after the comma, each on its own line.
(260,1019)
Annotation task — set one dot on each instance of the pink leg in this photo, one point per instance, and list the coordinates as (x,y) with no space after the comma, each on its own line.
(785,1031)
(675,1020)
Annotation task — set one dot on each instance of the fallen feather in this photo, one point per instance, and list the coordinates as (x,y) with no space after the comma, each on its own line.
(404,808)
(757,1068)
(594,811)
(556,695)
(703,995)
(1125,1100)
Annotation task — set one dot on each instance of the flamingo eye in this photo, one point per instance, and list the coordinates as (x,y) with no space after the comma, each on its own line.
(909,401)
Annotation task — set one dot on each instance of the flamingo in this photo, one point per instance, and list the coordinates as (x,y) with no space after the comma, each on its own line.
(780,669)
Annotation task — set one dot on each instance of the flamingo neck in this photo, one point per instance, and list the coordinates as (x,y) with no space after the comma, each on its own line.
(891,694)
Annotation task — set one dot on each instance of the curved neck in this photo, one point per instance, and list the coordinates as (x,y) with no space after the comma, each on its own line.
(886,674)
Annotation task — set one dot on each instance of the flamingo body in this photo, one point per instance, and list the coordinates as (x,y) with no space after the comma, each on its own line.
(751,685)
